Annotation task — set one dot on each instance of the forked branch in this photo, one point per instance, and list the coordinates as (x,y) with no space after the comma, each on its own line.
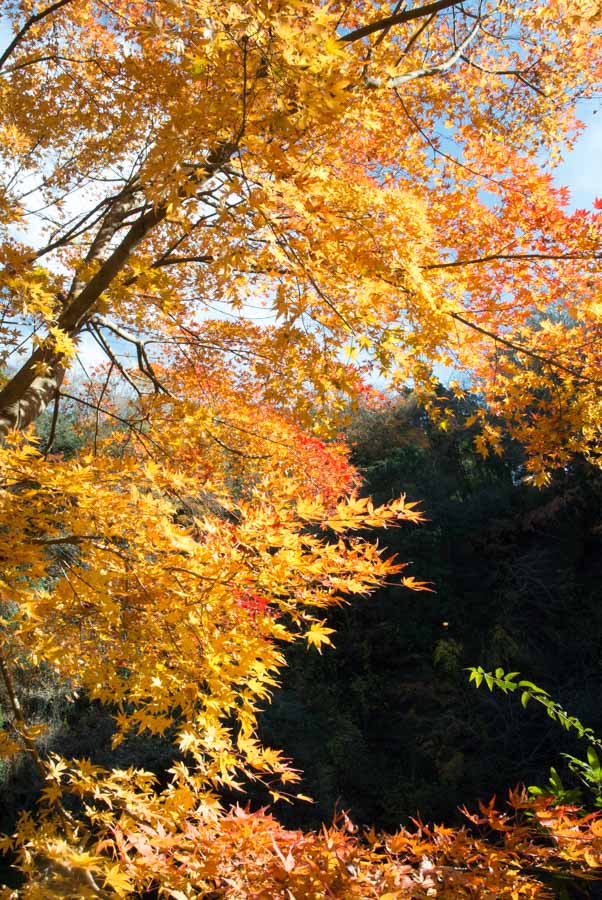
(405,15)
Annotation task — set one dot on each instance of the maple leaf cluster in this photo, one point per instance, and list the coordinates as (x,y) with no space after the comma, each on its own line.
(186,851)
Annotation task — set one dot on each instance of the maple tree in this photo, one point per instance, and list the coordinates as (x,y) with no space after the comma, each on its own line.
(173,171)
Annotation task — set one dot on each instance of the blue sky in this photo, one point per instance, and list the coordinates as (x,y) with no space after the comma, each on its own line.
(581,170)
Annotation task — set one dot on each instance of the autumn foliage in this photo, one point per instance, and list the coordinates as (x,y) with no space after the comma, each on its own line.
(247,208)
(186,853)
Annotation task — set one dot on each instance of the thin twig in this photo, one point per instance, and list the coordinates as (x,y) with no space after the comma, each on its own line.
(520,348)
(429,71)
(510,256)
(18,723)
(33,20)
(55,416)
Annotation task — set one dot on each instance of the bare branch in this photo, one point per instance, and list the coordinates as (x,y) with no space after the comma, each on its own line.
(398,7)
(164,261)
(234,450)
(423,26)
(18,719)
(113,358)
(144,363)
(491,257)
(181,260)
(31,62)
(131,423)
(452,159)
(33,20)
(429,71)
(515,73)
(520,348)
(55,416)
(100,399)
(406,15)
(65,539)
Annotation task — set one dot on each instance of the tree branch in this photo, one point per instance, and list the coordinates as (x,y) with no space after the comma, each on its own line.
(55,417)
(66,539)
(515,73)
(164,261)
(33,20)
(423,26)
(428,71)
(144,363)
(519,348)
(24,397)
(181,260)
(18,723)
(104,346)
(478,260)
(405,15)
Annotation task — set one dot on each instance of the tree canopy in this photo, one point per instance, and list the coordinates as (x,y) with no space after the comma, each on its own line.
(374,181)
(249,207)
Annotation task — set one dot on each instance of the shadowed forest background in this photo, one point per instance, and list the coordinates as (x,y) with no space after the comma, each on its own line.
(386,726)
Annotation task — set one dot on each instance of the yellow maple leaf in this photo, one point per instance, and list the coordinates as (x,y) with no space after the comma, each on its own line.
(317,635)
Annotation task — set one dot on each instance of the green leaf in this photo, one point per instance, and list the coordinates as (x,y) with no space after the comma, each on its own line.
(532,687)
(476,676)
(555,780)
